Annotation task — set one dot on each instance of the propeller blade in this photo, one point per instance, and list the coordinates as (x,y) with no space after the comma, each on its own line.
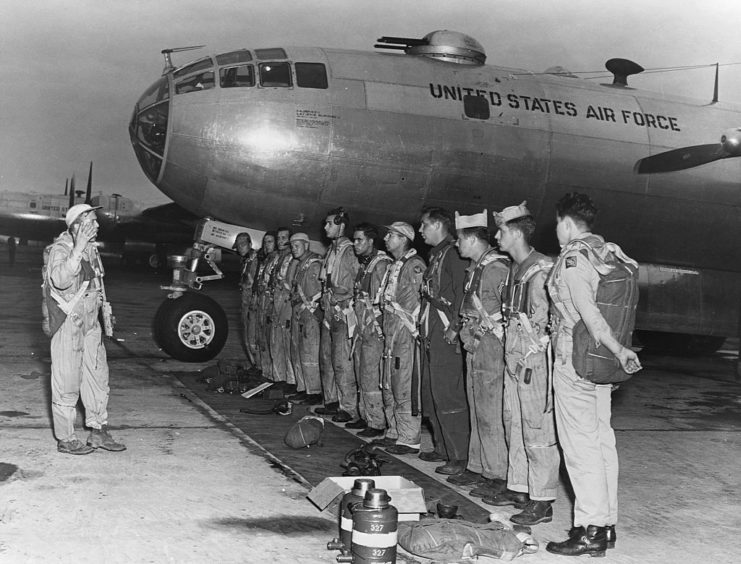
(66,185)
(89,191)
(680,159)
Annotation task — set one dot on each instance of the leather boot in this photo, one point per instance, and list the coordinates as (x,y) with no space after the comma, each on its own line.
(452,467)
(535,512)
(611,536)
(609,533)
(591,541)
(508,497)
(101,438)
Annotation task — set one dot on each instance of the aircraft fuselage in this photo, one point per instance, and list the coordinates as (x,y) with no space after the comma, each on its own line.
(390,133)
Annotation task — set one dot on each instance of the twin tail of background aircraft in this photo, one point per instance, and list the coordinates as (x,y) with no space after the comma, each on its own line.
(127,230)
(278,136)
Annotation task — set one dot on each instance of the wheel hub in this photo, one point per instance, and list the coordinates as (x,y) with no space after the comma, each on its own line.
(196,329)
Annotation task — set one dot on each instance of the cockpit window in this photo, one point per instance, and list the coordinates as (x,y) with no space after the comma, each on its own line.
(198,82)
(241,56)
(150,128)
(156,93)
(231,77)
(273,53)
(311,75)
(275,74)
(196,66)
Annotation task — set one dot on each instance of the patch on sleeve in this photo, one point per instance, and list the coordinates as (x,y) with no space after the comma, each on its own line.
(570,262)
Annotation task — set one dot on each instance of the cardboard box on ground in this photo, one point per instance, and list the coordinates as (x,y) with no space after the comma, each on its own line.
(406,496)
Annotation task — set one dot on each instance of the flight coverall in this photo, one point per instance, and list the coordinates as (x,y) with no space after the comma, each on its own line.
(528,408)
(79,364)
(368,345)
(246,286)
(264,308)
(338,374)
(281,313)
(401,305)
(444,400)
(482,335)
(583,409)
(305,328)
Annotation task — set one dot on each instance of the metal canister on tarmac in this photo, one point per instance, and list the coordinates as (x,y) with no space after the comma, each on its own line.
(374,530)
(351,498)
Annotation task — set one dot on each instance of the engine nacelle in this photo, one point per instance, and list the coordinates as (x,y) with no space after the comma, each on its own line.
(731,141)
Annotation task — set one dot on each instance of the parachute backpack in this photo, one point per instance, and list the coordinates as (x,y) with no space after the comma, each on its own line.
(617,300)
(51,317)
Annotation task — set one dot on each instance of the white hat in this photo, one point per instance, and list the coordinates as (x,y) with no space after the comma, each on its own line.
(475,220)
(299,237)
(76,211)
(510,213)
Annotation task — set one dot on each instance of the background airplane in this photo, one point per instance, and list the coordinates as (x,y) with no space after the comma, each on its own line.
(264,137)
(127,229)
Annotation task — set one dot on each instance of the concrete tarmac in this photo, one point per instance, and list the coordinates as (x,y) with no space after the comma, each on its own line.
(192,488)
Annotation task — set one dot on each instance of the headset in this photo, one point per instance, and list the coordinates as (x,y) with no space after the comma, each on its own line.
(340,216)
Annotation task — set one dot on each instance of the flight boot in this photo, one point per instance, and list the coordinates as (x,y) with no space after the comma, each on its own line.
(359,423)
(591,541)
(452,467)
(432,456)
(508,497)
(466,478)
(611,536)
(73,446)
(489,489)
(535,512)
(330,408)
(609,533)
(101,438)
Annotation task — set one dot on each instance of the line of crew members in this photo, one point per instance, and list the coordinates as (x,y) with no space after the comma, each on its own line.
(381,338)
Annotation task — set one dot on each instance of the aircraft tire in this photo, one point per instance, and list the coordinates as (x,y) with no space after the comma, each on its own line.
(680,343)
(191,328)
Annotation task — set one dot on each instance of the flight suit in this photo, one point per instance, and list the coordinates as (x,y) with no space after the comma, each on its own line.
(281,313)
(306,290)
(583,409)
(401,305)
(79,364)
(246,286)
(482,335)
(368,345)
(264,308)
(338,374)
(528,409)
(444,400)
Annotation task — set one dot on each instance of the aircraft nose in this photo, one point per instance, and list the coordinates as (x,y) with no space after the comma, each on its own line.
(148,128)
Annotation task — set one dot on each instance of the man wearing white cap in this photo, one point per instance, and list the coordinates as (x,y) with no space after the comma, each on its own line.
(482,336)
(73,285)
(401,303)
(306,289)
(532,477)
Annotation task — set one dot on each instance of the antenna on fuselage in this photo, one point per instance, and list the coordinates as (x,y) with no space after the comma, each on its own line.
(168,56)
(621,69)
(715,90)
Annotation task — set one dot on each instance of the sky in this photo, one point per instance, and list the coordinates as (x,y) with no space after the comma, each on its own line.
(75,68)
